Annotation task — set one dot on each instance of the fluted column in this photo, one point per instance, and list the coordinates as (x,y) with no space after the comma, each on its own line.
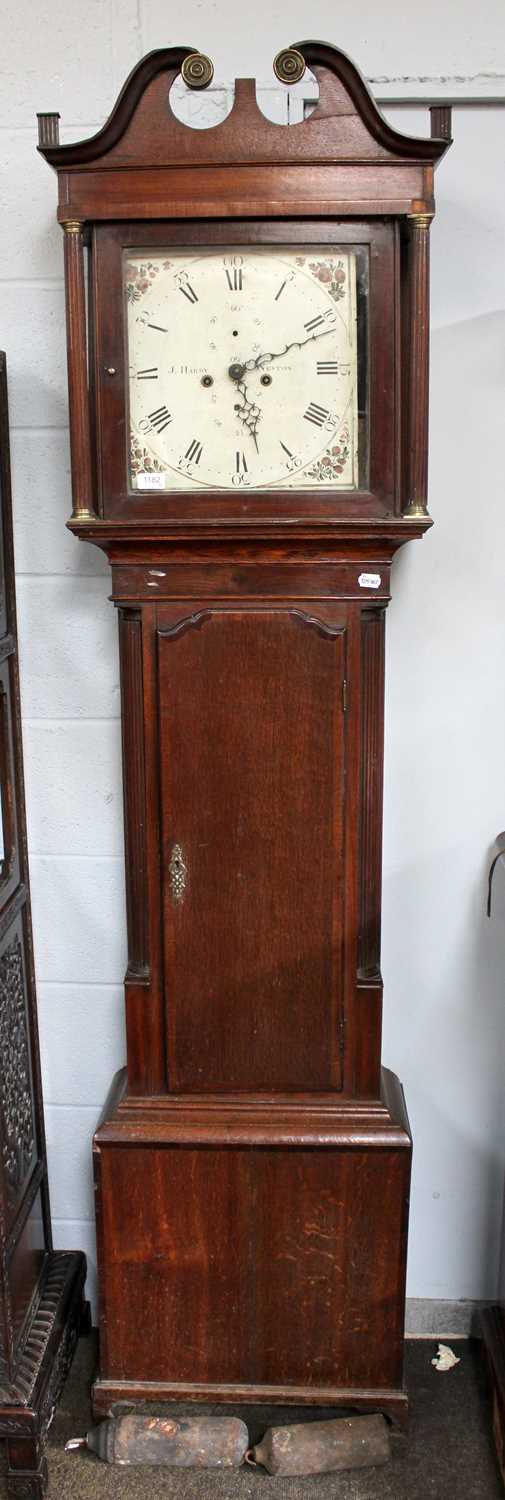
(80,449)
(418,375)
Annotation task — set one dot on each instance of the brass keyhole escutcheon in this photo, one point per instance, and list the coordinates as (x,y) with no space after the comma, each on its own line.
(178,873)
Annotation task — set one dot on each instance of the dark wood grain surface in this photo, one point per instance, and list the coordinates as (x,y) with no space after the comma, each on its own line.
(287,1250)
(275,1256)
(254,946)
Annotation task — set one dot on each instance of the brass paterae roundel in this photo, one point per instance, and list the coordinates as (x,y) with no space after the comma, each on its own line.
(289,65)
(197,70)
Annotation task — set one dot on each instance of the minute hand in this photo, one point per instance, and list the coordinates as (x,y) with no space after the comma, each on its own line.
(255,364)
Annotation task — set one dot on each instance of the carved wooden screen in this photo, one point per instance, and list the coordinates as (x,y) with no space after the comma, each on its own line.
(41,1303)
(23,1202)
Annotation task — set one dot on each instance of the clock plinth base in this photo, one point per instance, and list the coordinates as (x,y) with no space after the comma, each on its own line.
(393,1404)
(253,1249)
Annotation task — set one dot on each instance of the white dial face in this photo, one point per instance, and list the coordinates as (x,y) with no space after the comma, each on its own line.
(243,368)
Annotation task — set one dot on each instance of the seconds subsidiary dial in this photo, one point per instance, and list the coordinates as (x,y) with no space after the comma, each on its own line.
(243,368)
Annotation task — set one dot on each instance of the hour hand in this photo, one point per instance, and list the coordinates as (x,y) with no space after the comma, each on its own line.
(247,410)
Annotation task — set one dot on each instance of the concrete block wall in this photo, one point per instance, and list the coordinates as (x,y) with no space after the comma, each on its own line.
(445,781)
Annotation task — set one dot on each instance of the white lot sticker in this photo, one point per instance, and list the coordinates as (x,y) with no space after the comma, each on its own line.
(151,481)
(369,580)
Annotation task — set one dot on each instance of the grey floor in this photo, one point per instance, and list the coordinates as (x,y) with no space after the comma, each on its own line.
(448,1451)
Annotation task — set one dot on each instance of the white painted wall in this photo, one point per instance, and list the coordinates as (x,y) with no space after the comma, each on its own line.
(444,966)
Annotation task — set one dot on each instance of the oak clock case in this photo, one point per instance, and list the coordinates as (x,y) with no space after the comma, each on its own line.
(248,420)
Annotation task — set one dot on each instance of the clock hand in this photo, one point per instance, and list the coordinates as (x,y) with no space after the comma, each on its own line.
(248,412)
(255,364)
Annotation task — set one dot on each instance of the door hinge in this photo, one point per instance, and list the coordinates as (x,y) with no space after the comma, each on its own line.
(344,694)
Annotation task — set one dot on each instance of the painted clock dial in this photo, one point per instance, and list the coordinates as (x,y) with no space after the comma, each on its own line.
(242,368)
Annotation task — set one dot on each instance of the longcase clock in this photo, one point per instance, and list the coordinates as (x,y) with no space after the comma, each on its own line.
(248,416)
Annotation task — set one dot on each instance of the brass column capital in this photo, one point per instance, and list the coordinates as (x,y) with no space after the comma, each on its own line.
(420,221)
(417,510)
